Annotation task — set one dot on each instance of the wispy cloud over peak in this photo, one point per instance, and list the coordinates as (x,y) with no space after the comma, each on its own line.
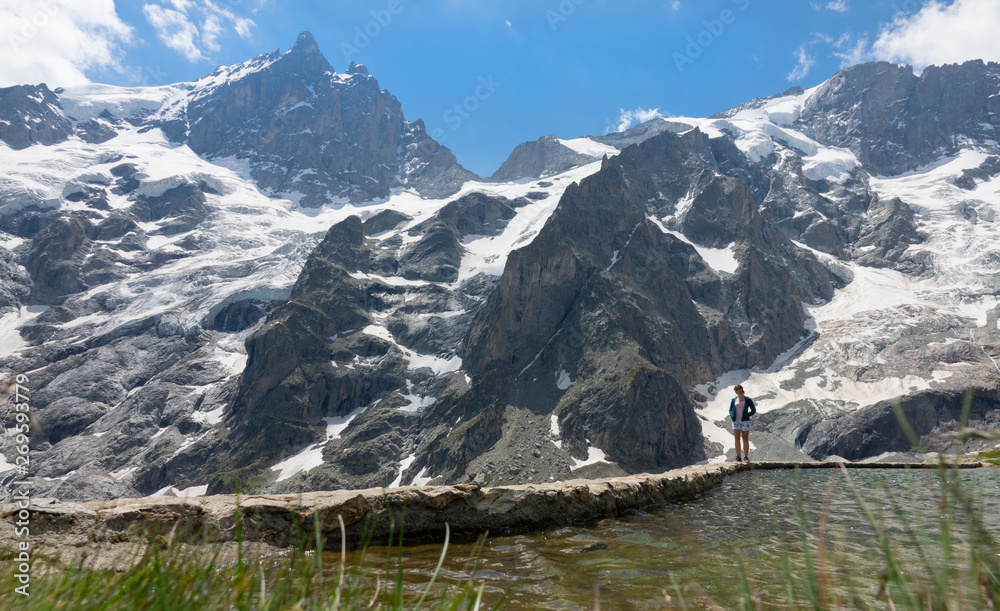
(631,118)
(176,27)
(804,64)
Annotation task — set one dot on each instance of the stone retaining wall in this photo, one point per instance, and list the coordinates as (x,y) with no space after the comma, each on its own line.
(280,520)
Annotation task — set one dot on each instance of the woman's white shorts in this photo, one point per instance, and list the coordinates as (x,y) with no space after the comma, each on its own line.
(741,425)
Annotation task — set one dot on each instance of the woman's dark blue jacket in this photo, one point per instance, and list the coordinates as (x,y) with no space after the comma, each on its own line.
(748,410)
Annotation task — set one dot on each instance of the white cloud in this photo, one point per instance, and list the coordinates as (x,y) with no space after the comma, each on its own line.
(173,28)
(676,5)
(629,118)
(58,41)
(942,34)
(242,25)
(839,6)
(177,29)
(849,50)
(804,65)
(182,5)
(856,54)
(210,31)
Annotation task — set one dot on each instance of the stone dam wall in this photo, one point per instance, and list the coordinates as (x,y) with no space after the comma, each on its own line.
(469,510)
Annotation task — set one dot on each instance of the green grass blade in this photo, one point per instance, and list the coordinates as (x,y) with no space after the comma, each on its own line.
(437,569)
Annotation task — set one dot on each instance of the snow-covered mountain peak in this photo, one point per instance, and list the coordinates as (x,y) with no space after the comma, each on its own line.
(258,276)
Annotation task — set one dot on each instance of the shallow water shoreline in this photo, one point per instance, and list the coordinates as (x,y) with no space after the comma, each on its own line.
(277,521)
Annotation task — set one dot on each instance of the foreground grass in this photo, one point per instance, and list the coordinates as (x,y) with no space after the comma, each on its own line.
(171,577)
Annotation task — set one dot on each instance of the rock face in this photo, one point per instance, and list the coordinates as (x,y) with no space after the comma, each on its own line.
(31,116)
(543,157)
(885,237)
(895,121)
(624,310)
(306,129)
(55,258)
(874,430)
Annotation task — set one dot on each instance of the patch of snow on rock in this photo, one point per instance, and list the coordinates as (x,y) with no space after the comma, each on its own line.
(403,466)
(594,456)
(586,146)
(304,461)
(563,380)
(554,428)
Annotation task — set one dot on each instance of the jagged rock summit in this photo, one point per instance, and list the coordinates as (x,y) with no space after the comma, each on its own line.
(307,131)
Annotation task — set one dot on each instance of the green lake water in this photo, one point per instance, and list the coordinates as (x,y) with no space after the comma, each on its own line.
(693,550)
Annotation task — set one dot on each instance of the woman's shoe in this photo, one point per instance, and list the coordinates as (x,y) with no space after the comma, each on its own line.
(738,459)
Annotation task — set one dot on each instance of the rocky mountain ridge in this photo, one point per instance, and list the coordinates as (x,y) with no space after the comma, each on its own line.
(270,280)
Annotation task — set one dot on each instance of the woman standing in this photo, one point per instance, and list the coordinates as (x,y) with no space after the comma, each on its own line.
(740,410)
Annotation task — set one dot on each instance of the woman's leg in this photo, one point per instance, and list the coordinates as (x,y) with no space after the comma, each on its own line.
(746,444)
(736,436)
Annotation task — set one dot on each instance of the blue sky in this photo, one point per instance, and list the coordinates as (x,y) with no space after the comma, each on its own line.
(562,67)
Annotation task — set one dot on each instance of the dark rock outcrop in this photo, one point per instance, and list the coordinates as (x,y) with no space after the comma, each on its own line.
(875,430)
(242,315)
(183,205)
(96,131)
(14,283)
(886,234)
(642,132)
(69,416)
(989,168)
(31,115)
(384,221)
(55,257)
(291,381)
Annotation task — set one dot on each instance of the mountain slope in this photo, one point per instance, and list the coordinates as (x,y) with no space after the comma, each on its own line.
(268,279)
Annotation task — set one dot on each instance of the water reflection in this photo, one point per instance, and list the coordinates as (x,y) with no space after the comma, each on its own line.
(693,551)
